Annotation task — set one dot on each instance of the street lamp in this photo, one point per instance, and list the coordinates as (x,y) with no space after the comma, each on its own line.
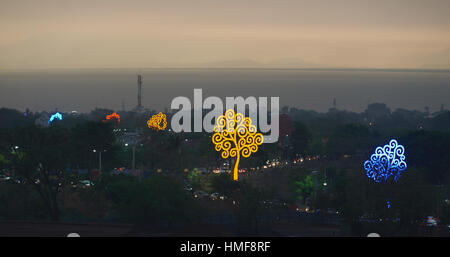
(99,158)
(315,173)
(133,161)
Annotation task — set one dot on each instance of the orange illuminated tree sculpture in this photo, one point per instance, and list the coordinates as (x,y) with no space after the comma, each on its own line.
(157,121)
(113,116)
(235,136)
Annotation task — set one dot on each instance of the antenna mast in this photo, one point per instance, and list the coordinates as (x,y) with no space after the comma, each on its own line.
(139,83)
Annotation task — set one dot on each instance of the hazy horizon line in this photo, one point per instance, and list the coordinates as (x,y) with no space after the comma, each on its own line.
(168,108)
(227,68)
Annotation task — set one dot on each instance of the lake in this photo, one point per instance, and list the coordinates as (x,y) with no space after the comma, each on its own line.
(83,90)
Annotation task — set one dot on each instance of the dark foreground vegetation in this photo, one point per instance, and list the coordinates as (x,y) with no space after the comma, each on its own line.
(311,182)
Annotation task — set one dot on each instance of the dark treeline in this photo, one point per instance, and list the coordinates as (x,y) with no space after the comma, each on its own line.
(317,164)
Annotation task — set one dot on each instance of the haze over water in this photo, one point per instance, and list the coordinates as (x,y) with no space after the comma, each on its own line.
(83,90)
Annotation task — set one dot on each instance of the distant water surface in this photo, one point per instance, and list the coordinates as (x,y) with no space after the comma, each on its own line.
(83,90)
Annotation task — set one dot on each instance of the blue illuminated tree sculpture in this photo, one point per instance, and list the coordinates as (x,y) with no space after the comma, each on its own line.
(55,116)
(387,161)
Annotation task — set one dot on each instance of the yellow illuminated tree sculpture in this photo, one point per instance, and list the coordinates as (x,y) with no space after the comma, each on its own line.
(236,136)
(157,121)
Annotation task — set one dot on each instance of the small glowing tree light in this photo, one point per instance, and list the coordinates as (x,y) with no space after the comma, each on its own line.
(235,136)
(387,161)
(113,116)
(157,121)
(57,116)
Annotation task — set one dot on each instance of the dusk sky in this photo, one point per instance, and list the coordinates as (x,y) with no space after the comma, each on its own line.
(203,33)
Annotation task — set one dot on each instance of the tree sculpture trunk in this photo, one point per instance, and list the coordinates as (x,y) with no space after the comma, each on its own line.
(236,165)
